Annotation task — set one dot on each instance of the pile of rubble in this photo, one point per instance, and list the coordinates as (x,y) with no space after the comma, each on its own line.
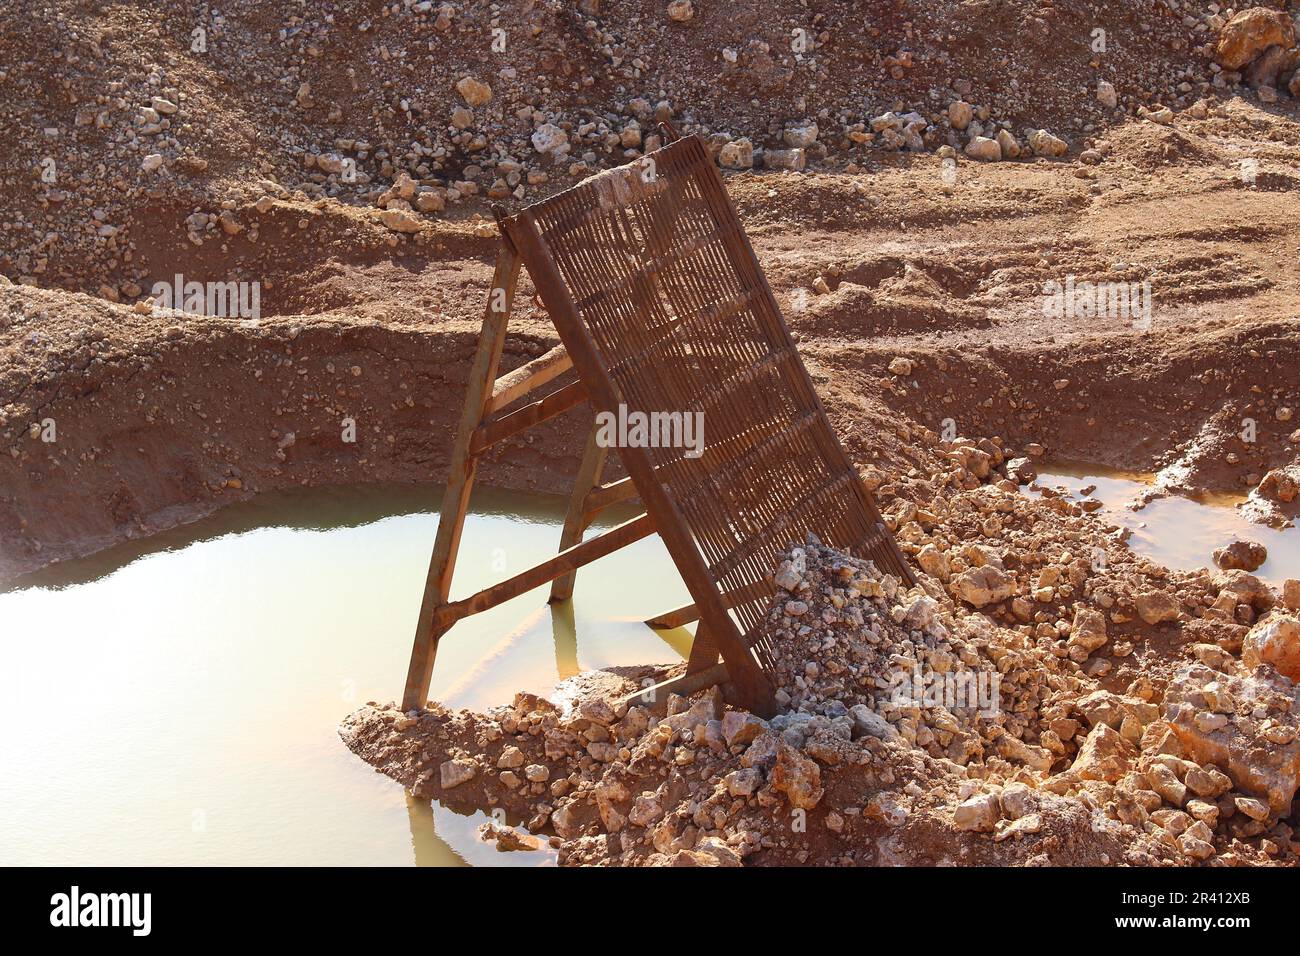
(914,730)
(468,104)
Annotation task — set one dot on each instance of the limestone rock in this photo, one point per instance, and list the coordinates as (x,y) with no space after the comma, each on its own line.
(798,777)
(719,850)
(868,723)
(802,136)
(983,585)
(984,149)
(740,728)
(474,92)
(1241,746)
(511,757)
(1044,143)
(738,154)
(550,139)
(456,771)
(1105,755)
(1155,607)
(794,159)
(1250,33)
(960,114)
(1021,470)
(646,810)
(682,11)
(980,813)
(1274,640)
(1241,556)
(1010,145)
(400,220)
(934,562)
(1281,484)
(1088,630)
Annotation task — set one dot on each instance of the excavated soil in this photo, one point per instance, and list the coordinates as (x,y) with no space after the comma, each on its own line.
(136,157)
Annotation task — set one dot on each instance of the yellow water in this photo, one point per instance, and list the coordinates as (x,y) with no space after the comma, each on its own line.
(1175,531)
(176,702)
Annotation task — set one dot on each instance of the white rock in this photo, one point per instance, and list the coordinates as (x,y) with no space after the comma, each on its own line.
(980,813)
(984,149)
(549,138)
(1044,143)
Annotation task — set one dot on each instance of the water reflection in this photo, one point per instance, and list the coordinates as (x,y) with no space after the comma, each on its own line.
(1177,532)
(193,682)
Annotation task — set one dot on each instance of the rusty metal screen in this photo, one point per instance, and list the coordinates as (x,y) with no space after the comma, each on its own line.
(656,292)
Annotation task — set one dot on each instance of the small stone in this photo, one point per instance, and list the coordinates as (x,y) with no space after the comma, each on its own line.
(430,201)
(1022,470)
(1154,607)
(718,850)
(1161,115)
(646,810)
(798,777)
(598,710)
(979,813)
(801,137)
(984,149)
(474,92)
(740,728)
(152,162)
(868,723)
(1196,849)
(457,771)
(681,11)
(1010,145)
(1105,755)
(1088,630)
(400,220)
(738,154)
(1044,143)
(1166,783)
(743,783)
(1106,95)
(511,757)
(983,585)
(1241,556)
(960,114)
(901,366)
(792,159)
(1275,640)
(550,139)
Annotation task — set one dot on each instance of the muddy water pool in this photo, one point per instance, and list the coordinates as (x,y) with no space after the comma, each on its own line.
(1175,531)
(174,702)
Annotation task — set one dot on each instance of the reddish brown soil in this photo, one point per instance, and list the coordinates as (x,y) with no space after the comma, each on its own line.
(873,254)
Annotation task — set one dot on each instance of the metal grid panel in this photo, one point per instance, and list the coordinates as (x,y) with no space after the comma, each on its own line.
(658,272)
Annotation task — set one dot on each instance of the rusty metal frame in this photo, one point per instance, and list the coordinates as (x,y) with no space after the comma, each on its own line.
(659,302)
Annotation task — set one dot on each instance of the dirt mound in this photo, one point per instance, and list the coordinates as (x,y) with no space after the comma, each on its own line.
(153,129)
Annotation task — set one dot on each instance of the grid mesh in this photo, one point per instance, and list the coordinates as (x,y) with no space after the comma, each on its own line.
(662,276)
